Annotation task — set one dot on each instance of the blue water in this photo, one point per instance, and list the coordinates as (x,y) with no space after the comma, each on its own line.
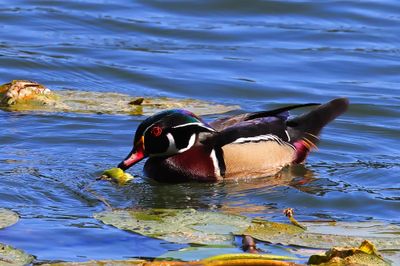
(256,54)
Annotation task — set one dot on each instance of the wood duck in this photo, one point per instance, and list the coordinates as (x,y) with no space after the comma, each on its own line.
(180,146)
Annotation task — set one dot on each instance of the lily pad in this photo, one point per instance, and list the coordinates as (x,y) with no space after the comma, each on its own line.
(7,218)
(23,95)
(179,226)
(210,228)
(99,263)
(197,253)
(320,235)
(247,256)
(11,256)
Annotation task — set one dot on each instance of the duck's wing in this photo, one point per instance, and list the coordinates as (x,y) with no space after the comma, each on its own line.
(277,122)
(283,112)
(300,133)
(255,130)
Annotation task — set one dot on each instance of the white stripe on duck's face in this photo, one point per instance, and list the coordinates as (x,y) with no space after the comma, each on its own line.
(172,148)
(199,124)
(254,159)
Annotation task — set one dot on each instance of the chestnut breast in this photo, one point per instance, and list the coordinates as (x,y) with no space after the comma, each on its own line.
(197,163)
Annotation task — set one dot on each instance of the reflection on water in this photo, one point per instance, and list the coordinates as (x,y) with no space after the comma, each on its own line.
(257,54)
(234,196)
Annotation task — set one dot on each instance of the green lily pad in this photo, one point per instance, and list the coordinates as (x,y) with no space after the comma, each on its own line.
(7,218)
(206,228)
(99,263)
(11,256)
(247,256)
(326,235)
(23,95)
(197,253)
(179,226)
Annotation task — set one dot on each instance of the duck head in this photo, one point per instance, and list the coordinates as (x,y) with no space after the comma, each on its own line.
(165,134)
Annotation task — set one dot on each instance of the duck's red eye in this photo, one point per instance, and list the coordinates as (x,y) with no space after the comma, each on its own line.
(156,131)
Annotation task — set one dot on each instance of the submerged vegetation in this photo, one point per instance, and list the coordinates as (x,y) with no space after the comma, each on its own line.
(24,95)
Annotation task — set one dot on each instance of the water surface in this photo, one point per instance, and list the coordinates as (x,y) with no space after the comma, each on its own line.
(256,54)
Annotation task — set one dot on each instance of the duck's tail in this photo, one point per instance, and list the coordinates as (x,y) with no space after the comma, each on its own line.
(305,129)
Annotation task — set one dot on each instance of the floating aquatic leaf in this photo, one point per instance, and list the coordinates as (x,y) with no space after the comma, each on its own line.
(116,175)
(273,229)
(198,253)
(99,263)
(391,255)
(22,95)
(7,218)
(11,256)
(179,226)
(366,254)
(326,235)
(190,226)
(248,262)
(248,256)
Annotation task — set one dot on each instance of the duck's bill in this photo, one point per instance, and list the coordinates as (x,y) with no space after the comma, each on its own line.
(134,157)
